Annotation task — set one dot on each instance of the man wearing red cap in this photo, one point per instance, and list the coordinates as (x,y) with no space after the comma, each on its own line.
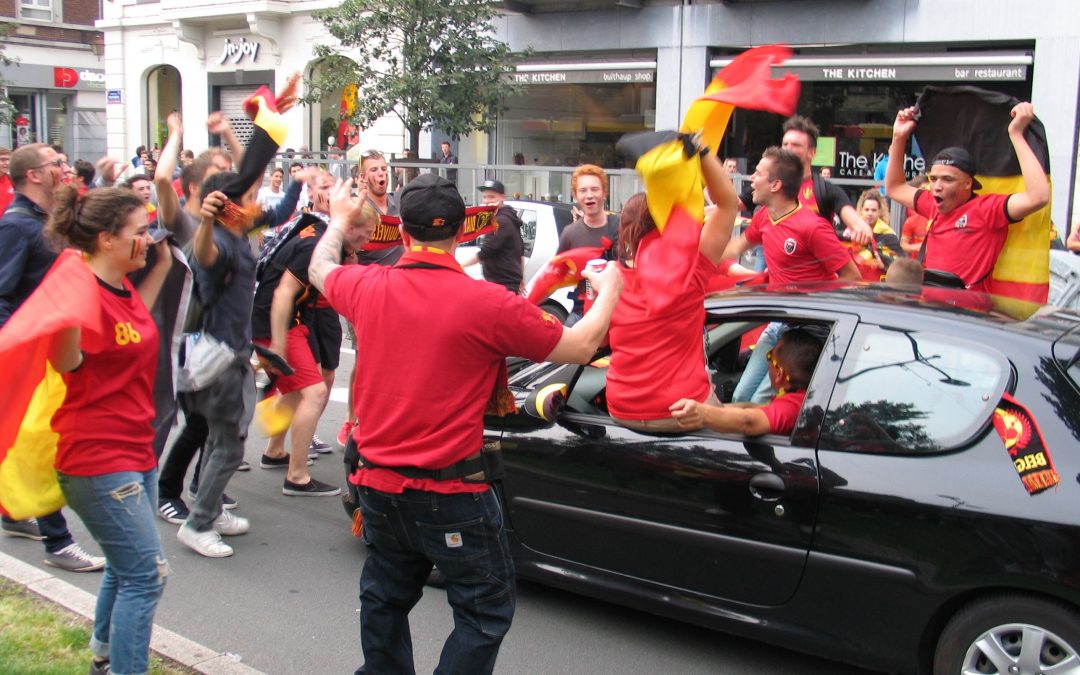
(427,379)
(966,231)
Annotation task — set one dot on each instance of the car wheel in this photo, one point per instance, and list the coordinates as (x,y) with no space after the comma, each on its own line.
(1010,635)
(556,310)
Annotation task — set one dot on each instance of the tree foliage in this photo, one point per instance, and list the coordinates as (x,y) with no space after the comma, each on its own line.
(430,62)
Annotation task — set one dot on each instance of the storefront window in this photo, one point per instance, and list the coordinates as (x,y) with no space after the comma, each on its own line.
(330,117)
(571,124)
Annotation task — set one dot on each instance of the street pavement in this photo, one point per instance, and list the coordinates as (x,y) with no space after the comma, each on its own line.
(287,603)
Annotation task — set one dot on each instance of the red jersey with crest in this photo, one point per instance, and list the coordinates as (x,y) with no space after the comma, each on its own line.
(105,421)
(967,240)
(800,246)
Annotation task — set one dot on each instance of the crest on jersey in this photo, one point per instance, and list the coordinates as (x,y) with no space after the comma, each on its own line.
(789,245)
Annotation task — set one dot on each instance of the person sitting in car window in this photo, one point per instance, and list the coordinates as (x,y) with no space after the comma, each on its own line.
(791,365)
(656,350)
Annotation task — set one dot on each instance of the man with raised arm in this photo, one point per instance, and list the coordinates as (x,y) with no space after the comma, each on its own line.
(967,231)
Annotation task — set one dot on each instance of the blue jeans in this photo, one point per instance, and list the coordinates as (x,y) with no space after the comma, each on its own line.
(754,385)
(463,535)
(119,511)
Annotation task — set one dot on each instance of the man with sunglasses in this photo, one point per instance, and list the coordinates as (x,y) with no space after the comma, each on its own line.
(36,171)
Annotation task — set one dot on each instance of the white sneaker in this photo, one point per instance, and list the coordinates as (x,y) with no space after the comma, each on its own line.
(230,525)
(206,543)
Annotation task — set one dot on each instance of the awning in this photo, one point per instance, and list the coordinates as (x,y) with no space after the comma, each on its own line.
(597,72)
(939,67)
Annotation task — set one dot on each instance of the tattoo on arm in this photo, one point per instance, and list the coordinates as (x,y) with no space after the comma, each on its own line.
(326,257)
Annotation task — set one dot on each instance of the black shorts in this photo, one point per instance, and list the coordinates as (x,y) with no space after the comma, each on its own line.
(325,337)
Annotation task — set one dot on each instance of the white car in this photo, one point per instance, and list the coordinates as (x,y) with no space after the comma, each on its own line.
(542,223)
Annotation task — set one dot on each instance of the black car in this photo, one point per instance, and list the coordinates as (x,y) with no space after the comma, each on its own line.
(891,530)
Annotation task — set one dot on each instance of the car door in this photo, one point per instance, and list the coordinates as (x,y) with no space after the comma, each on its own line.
(724,516)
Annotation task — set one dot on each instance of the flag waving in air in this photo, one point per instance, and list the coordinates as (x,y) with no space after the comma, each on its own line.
(67,297)
(976,119)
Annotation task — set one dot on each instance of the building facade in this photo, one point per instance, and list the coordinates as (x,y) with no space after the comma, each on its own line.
(56,81)
(200,56)
(602,68)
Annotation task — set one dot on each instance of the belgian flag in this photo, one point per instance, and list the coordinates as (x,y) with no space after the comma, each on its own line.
(977,120)
(67,297)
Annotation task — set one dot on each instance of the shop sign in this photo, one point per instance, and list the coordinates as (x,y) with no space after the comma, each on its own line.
(886,73)
(114,96)
(641,76)
(69,78)
(855,165)
(238,51)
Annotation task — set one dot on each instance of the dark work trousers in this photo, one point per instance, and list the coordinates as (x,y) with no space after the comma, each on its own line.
(191,440)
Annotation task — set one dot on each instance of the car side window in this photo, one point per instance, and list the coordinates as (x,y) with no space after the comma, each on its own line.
(528,229)
(912,392)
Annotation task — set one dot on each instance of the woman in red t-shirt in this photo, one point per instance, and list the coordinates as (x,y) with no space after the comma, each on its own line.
(657,355)
(104,461)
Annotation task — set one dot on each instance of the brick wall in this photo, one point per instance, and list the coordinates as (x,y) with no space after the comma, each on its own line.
(7,7)
(82,12)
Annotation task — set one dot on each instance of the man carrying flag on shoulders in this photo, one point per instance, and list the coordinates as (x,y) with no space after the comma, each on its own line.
(967,231)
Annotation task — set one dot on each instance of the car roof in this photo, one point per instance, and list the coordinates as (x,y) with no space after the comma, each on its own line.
(967,306)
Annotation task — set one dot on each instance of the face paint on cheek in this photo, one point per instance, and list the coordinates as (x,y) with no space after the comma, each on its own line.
(136,247)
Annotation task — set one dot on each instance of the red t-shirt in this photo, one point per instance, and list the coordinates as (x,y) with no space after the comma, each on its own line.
(967,240)
(431,342)
(800,246)
(657,358)
(7,193)
(914,229)
(783,411)
(105,422)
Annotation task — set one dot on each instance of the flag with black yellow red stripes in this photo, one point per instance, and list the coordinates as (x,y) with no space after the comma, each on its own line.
(978,120)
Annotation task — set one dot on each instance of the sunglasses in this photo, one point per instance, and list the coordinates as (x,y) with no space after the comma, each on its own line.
(371,154)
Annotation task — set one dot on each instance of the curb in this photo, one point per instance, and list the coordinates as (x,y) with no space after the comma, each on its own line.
(162,641)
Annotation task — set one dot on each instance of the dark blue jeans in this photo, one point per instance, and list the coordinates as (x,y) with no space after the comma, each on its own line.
(463,535)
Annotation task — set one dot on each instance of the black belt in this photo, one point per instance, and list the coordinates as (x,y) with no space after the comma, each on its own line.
(470,469)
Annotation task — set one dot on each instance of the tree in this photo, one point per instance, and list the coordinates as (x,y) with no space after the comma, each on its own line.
(430,62)
(6,106)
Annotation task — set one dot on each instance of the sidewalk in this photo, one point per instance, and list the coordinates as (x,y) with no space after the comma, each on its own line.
(163,642)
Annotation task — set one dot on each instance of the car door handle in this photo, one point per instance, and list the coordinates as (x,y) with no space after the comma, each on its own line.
(767,486)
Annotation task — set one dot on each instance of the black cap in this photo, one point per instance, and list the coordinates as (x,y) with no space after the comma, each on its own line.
(958,158)
(494,186)
(434,204)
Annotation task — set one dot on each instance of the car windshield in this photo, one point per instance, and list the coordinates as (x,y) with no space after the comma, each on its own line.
(1067,353)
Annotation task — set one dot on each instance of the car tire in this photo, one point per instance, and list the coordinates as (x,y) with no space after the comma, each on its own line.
(998,634)
(556,310)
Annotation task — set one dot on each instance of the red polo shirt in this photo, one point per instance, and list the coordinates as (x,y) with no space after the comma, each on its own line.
(800,246)
(431,342)
(967,240)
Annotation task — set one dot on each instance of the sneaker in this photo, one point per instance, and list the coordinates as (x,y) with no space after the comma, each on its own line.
(230,525)
(173,511)
(102,668)
(27,529)
(320,446)
(244,466)
(206,543)
(312,488)
(279,462)
(344,432)
(74,559)
(312,455)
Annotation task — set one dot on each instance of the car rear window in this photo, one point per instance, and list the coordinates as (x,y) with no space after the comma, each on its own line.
(912,392)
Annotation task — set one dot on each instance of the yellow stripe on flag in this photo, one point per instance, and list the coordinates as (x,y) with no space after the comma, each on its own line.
(1025,258)
(671,179)
(27,474)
